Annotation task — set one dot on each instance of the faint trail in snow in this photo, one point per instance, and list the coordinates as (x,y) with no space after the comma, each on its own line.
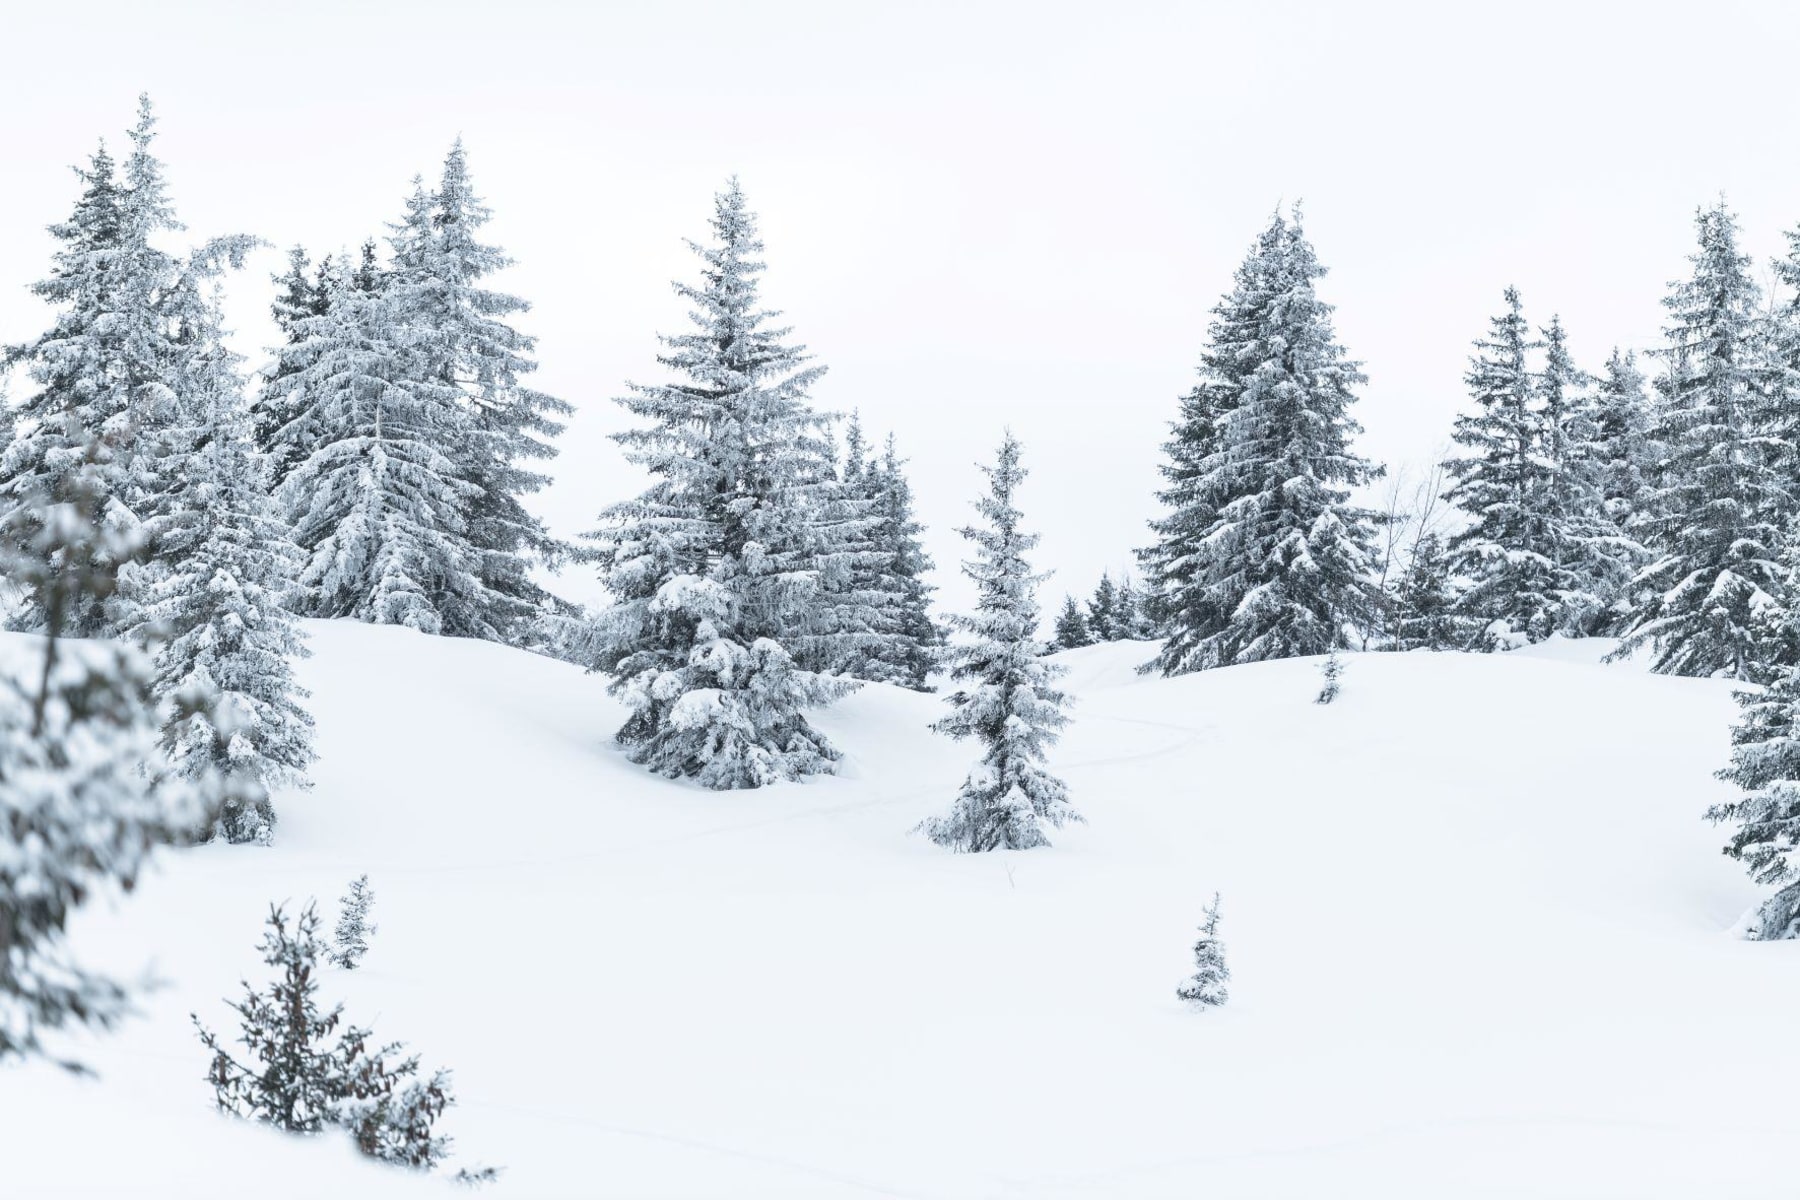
(615,851)
(1194,736)
(651,1135)
(1036,1185)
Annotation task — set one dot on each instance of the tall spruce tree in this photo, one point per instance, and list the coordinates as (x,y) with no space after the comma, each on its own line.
(1765,767)
(849,618)
(714,561)
(1503,482)
(103,401)
(224,561)
(1425,609)
(1719,507)
(1005,696)
(1593,559)
(377,504)
(1263,555)
(439,281)
(1623,449)
(302,291)
(909,650)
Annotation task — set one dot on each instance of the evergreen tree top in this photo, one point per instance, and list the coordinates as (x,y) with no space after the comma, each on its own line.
(149,208)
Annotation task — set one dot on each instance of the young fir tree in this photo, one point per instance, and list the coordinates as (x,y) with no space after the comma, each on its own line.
(378,504)
(1205,988)
(1425,608)
(1330,672)
(1005,696)
(713,563)
(101,368)
(78,813)
(224,563)
(1504,481)
(440,282)
(350,938)
(1103,611)
(1072,627)
(1724,495)
(1263,555)
(309,1071)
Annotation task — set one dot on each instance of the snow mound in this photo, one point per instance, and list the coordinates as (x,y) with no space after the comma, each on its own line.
(1478,936)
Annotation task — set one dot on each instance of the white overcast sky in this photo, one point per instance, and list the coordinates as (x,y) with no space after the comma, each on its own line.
(977,214)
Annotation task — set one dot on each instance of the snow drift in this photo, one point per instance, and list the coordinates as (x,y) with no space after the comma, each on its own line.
(1479,939)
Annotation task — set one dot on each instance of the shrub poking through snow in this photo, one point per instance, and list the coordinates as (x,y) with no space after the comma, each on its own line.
(353,928)
(309,1069)
(1331,672)
(1206,987)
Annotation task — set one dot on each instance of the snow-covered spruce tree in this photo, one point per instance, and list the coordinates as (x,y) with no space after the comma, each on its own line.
(378,504)
(1205,988)
(215,594)
(1716,516)
(1005,694)
(1425,609)
(849,619)
(1503,482)
(909,648)
(1103,610)
(1176,562)
(100,368)
(1765,767)
(712,564)
(1263,556)
(1622,448)
(1071,626)
(350,938)
(309,1071)
(302,291)
(1594,559)
(78,812)
(439,280)
(1134,620)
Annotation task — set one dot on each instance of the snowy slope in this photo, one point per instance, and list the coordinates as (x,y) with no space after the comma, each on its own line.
(1478,930)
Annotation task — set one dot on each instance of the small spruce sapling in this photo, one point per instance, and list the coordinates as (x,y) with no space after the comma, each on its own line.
(1206,987)
(353,928)
(1331,671)
(309,1069)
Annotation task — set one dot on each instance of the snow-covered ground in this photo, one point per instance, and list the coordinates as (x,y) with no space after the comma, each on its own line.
(1480,939)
